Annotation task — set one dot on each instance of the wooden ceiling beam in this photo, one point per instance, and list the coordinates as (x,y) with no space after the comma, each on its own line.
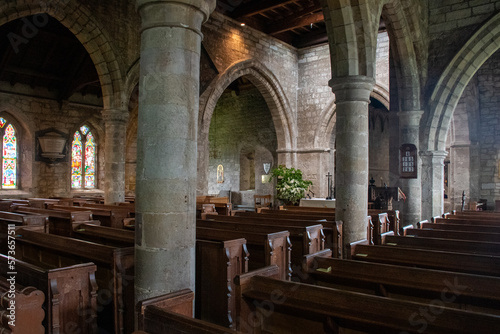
(294,23)
(253,8)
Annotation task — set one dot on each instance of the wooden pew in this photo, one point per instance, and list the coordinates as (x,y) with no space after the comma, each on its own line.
(111,217)
(10,222)
(172,313)
(448,245)
(458,235)
(304,239)
(217,264)
(461,227)
(70,293)
(268,305)
(430,259)
(179,302)
(104,235)
(60,222)
(467,221)
(265,248)
(114,275)
(26,314)
(332,229)
(469,292)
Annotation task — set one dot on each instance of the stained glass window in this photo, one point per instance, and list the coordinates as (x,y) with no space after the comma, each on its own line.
(9,155)
(83,153)
(9,170)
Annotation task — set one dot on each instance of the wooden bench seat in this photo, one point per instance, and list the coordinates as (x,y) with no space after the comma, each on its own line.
(305,239)
(430,259)
(265,248)
(458,235)
(60,222)
(469,292)
(111,217)
(461,227)
(26,315)
(114,275)
(333,230)
(104,235)
(68,291)
(466,221)
(277,306)
(448,245)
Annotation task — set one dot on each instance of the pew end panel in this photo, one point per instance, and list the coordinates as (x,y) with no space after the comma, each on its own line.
(180,302)
(28,311)
(217,264)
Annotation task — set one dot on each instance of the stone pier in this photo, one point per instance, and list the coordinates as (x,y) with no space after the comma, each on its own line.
(351,177)
(167,144)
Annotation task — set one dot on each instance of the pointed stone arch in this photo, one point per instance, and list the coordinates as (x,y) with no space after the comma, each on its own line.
(78,19)
(268,85)
(446,95)
(270,88)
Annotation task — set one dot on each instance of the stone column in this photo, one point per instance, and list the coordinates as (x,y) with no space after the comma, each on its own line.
(167,144)
(409,122)
(459,173)
(432,183)
(115,122)
(351,177)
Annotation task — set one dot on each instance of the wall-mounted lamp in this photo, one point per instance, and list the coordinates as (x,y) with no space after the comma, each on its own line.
(52,146)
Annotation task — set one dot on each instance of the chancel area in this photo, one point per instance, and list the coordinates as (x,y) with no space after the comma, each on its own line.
(250,166)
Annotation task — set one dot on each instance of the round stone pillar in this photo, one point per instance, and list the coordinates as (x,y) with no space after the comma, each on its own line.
(409,122)
(351,177)
(432,183)
(167,144)
(115,123)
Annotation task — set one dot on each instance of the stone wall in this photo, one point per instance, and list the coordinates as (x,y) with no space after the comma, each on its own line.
(39,178)
(489,129)
(241,128)
(451,24)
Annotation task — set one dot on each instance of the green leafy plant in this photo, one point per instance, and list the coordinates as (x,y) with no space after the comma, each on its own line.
(290,186)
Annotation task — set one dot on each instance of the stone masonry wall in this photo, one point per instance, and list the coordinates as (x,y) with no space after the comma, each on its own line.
(489,129)
(241,124)
(451,24)
(228,43)
(37,114)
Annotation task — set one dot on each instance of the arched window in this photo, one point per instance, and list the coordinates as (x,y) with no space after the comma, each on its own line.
(83,152)
(9,155)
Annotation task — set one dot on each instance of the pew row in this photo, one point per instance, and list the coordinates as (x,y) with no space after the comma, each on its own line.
(70,293)
(448,245)
(269,305)
(304,239)
(463,291)
(114,275)
(431,259)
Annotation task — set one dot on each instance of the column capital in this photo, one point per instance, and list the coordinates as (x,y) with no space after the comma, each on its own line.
(410,117)
(175,13)
(434,156)
(115,115)
(352,88)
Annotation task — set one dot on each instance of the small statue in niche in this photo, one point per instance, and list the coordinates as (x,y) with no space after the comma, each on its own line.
(220,174)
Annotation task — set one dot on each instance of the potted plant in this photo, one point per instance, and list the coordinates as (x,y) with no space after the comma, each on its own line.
(290,186)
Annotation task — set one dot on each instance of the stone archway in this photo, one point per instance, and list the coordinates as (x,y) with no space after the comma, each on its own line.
(91,34)
(268,86)
(443,101)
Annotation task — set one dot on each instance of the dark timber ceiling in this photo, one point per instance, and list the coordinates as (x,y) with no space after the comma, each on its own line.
(297,22)
(41,52)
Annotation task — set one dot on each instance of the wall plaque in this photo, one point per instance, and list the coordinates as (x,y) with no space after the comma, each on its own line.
(408,161)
